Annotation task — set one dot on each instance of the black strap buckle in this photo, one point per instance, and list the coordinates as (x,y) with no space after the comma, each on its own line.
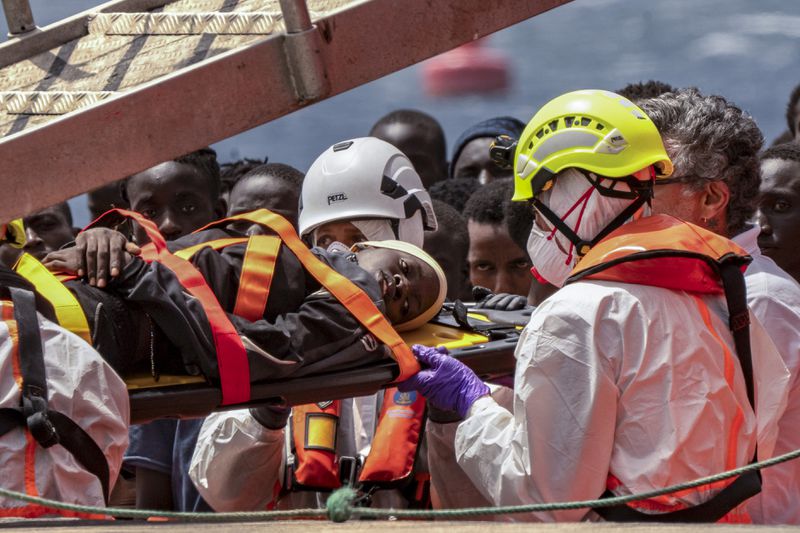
(43,430)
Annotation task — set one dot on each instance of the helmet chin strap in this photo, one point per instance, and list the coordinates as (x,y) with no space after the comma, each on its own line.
(641,192)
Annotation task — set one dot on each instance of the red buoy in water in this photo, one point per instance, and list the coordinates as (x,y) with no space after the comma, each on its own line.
(468,69)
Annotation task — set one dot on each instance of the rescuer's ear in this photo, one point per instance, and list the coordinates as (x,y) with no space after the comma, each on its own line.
(715,197)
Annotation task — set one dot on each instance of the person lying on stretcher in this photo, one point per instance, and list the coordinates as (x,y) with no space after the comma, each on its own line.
(143,315)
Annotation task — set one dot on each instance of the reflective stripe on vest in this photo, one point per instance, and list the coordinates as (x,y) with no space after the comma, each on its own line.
(392,452)
(356,301)
(314,430)
(68,311)
(234,368)
(663,251)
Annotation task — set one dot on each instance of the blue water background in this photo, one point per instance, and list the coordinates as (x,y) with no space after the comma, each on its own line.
(746,50)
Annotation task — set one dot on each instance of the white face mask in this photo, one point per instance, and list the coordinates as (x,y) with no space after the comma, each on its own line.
(554,258)
(550,262)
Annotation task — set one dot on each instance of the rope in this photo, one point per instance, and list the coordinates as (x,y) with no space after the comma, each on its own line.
(340,504)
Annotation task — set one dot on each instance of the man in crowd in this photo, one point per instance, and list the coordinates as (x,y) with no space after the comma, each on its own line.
(45,231)
(420,137)
(495,260)
(471,151)
(779,206)
(714,147)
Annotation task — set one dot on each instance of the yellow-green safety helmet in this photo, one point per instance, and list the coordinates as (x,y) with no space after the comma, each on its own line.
(594,130)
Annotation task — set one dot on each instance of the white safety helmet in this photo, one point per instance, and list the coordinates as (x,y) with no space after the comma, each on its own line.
(366,178)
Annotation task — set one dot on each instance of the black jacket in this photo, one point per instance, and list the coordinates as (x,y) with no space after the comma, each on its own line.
(304,329)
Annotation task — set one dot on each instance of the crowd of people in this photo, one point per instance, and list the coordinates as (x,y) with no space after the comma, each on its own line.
(647,231)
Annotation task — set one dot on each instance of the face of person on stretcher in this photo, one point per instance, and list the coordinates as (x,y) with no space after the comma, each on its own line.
(408,284)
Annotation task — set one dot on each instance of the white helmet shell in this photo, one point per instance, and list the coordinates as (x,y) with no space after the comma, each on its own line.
(366,178)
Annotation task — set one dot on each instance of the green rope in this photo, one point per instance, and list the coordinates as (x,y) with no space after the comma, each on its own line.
(340,504)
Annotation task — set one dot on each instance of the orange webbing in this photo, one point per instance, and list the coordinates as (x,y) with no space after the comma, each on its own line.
(394,446)
(234,368)
(345,291)
(254,282)
(317,465)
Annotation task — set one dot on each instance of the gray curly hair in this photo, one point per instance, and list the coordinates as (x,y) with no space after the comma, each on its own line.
(710,139)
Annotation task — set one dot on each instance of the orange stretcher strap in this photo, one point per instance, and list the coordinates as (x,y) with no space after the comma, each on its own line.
(234,368)
(257,271)
(356,301)
(68,311)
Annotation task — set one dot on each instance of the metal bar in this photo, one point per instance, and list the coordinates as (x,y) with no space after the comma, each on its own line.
(19,17)
(183,23)
(49,102)
(295,15)
(230,93)
(303,48)
(44,39)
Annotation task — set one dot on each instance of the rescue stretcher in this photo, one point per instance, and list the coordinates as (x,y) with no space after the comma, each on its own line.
(483,340)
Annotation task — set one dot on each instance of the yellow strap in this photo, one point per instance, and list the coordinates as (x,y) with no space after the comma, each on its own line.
(68,311)
(219,244)
(256,277)
(345,291)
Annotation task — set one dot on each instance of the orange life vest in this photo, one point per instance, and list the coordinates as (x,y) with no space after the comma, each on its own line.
(663,251)
(390,462)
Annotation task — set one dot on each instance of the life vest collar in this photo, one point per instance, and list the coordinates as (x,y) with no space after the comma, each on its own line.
(661,251)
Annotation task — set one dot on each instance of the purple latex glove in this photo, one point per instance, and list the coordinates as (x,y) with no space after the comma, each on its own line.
(446,383)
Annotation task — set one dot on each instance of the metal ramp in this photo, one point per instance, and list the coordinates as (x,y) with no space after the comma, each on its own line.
(132,83)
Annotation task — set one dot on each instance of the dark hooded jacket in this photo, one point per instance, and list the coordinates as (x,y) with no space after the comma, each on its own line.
(145,319)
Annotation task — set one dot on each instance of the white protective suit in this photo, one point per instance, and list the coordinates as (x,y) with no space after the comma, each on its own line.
(238,463)
(622,379)
(450,486)
(774,298)
(80,385)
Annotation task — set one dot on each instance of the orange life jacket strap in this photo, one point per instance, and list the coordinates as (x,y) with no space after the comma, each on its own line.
(314,430)
(345,291)
(635,252)
(234,368)
(394,446)
(258,268)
